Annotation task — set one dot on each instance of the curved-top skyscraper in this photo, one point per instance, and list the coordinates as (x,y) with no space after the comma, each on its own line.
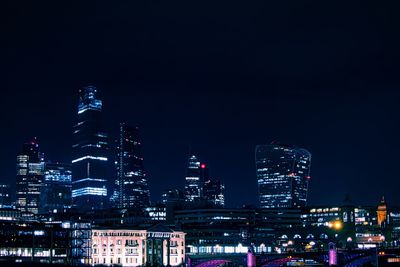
(90,150)
(283,174)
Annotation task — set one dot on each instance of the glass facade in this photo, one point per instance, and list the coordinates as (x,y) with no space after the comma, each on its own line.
(214,192)
(5,196)
(193,183)
(283,173)
(56,189)
(30,171)
(90,164)
(131,187)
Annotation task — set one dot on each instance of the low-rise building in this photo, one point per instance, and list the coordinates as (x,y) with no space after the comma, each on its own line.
(158,245)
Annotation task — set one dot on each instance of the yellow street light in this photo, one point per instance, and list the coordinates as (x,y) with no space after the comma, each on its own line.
(337,225)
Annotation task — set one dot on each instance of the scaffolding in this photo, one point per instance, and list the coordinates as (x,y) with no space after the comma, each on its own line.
(81,247)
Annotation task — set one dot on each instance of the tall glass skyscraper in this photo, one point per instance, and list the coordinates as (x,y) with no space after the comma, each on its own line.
(193,182)
(283,173)
(90,166)
(131,187)
(30,170)
(55,194)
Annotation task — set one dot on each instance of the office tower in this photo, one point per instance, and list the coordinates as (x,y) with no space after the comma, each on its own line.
(90,166)
(30,170)
(131,188)
(193,183)
(172,199)
(56,189)
(172,196)
(283,173)
(214,192)
(5,196)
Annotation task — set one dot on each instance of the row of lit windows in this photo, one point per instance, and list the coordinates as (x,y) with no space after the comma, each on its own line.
(89,157)
(136,234)
(95,191)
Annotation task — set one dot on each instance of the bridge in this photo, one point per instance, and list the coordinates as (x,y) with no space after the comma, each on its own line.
(346,258)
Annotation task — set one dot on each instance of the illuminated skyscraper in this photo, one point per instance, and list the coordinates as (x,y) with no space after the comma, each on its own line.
(283,173)
(30,170)
(131,188)
(55,194)
(193,182)
(90,166)
(214,192)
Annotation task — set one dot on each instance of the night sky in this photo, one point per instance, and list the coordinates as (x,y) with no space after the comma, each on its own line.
(214,78)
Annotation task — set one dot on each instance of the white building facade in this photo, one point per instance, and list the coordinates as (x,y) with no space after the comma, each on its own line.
(158,245)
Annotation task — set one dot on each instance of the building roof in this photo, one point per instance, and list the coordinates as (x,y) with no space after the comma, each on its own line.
(160,228)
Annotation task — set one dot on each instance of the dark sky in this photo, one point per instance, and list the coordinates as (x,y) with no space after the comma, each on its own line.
(217,77)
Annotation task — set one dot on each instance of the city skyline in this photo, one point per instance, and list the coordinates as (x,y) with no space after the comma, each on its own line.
(157,197)
(201,166)
(219,84)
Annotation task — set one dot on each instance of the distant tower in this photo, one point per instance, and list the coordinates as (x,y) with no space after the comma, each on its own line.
(5,196)
(283,173)
(214,192)
(30,170)
(131,187)
(193,183)
(172,199)
(90,154)
(55,196)
(381,212)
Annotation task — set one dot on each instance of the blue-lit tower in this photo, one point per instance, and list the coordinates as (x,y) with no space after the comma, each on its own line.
(283,173)
(90,164)
(55,196)
(131,187)
(193,182)
(30,171)
(5,196)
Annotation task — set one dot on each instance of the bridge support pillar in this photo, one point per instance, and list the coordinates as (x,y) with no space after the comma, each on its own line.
(332,254)
(251,259)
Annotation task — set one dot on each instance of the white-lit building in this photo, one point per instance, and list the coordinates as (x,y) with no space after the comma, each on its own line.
(158,245)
